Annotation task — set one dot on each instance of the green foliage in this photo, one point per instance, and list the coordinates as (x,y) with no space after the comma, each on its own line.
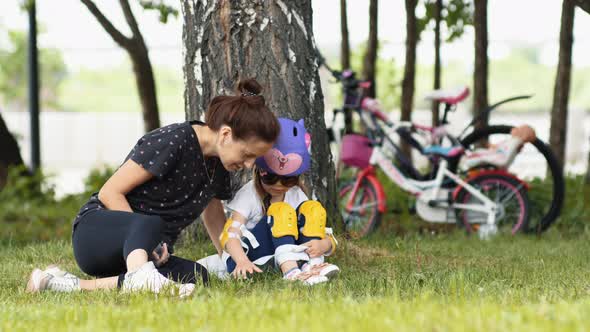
(456,15)
(25,189)
(13,71)
(96,179)
(30,211)
(575,214)
(164,9)
(389,77)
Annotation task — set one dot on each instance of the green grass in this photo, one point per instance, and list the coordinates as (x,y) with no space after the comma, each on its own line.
(434,283)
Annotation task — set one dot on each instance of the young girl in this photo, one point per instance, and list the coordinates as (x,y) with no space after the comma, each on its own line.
(273,218)
(126,232)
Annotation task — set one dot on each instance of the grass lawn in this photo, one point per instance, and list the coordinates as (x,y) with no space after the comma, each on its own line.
(417,283)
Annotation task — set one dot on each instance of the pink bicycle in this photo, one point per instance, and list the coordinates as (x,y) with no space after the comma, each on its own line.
(485,201)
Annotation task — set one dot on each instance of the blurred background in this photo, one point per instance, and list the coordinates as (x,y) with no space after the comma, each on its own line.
(91,113)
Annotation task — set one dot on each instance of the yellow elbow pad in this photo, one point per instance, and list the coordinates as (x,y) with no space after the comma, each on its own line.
(313,217)
(226,234)
(283,220)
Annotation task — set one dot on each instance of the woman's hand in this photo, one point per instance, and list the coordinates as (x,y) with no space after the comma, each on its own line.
(316,248)
(160,260)
(243,267)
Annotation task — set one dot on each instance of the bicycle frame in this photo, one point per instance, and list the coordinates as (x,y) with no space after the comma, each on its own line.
(420,189)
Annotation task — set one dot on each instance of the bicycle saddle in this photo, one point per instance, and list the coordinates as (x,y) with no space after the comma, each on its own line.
(448,96)
(445,152)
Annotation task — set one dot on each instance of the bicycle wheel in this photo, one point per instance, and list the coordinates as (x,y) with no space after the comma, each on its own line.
(364,215)
(510,196)
(537,165)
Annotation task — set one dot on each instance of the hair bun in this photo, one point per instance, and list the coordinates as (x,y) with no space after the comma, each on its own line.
(249,87)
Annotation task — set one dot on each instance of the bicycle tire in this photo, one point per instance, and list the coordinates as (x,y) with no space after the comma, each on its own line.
(350,224)
(501,184)
(547,217)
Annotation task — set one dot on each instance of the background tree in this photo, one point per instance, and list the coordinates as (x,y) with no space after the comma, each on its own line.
(345,58)
(452,16)
(13,73)
(559,109)
(272,41)
(10,156)
(13,90)
(480,74)
(137,50)
(585,6)
(410,67)
(370,61)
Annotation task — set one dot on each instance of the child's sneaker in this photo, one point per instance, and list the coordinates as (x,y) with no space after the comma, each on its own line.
(306,278)
(52,279)
(324,269)
(148,278)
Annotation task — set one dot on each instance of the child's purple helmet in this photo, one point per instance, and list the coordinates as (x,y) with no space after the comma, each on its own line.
(289,156)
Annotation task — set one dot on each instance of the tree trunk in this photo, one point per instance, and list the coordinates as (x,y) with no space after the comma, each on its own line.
(588,170)
(146,86)
(345,58)
(271,41)
(480,75)
(138,52)
(409,68)
(370,62)
(558,132)
(437,66)
(10,155)
(584,5)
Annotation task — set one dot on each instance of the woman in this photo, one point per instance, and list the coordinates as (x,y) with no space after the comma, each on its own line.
(126,232)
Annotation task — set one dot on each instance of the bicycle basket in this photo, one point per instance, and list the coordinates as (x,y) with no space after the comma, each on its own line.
(356,150)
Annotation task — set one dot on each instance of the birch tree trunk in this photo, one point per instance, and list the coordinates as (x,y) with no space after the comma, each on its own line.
(271,41)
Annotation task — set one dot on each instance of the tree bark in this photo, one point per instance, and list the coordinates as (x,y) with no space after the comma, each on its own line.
(437,61)
(584,5)
(559,109)
(271,41)
(410,67)
(480,75)
(345,58)
(139,55)
(370,61)
(588,170)
(10,155)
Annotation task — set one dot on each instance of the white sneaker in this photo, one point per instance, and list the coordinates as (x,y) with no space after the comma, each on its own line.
(148,278)
(215,265)
(306,278)
(52,279)
(324,269)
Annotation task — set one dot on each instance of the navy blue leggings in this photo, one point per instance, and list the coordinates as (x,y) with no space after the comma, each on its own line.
(103,239)
(267,242)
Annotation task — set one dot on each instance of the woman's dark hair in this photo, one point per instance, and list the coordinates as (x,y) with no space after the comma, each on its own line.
(246,114)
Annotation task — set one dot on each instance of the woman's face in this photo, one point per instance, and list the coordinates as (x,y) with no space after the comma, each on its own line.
(236,154)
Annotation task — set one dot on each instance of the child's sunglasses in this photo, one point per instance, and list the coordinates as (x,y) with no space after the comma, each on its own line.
(271,178)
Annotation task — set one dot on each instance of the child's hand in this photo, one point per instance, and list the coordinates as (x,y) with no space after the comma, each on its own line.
(243,268)
(316,248)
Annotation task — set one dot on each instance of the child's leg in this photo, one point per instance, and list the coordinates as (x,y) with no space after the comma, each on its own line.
(311,218)
(282,219)
(257,254)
